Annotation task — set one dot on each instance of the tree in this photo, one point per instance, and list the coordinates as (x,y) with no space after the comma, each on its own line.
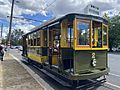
(114,32)
(16,37)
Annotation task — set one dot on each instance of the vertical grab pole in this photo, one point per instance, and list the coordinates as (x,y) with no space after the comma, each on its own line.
(59,53)
(70,47)
(74,41)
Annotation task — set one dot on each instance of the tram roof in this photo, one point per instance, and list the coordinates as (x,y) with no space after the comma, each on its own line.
(71,15)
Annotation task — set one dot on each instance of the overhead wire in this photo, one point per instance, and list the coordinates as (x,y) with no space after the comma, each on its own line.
(50,4)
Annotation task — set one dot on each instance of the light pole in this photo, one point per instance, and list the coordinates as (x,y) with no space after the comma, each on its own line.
(10,26)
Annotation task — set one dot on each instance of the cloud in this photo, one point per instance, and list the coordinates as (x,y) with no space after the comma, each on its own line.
(5,31)
(22,7)
(26,27)
(29,7)
(77,6)
(58,8)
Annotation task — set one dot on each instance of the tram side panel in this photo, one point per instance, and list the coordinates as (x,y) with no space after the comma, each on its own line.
(91,63)
(37,54)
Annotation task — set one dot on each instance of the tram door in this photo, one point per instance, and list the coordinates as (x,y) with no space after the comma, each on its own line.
(53,47)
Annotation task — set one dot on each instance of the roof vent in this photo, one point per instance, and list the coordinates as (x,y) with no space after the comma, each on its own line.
(92,10)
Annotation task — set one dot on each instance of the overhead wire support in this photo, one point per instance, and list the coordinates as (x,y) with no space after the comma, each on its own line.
(26,19)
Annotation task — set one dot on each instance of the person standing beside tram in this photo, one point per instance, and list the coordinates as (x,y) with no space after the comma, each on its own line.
(1,53)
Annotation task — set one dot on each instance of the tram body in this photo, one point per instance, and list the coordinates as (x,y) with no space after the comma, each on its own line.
(73,46)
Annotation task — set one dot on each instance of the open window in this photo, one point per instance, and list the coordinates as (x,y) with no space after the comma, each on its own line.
(96,34)
(45,38)
(34,38)
(67,34)
(70,35)
(105,33)
(31,39)
(38,38)
(29,43)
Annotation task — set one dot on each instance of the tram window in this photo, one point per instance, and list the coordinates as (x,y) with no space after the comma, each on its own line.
(34,36)
(45,37)
(66,36)
(28,40)
(70,36)
(97,34)
(31,39)
(38,38)
(56,37)
(83,29)
(104,35)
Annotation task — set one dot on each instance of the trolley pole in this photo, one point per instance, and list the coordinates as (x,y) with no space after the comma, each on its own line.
(10,26)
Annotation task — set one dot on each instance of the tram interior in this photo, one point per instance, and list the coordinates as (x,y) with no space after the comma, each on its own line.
(60,41)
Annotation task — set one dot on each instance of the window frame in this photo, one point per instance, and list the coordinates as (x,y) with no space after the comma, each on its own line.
(31,40)
(104,46)
(38,37)
(97,34)
(83,46)
(34,38)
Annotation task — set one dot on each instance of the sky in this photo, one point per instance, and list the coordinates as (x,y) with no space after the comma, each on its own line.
(43,10)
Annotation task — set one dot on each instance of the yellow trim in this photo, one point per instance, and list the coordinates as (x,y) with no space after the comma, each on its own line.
(91,33)
(42,59)
(75,36)
(42,38)
(38,58)
(102,35)
(96,36)
(91,48)
(64,33)
(87,47)
(55,59)
(107,36)
(76,39)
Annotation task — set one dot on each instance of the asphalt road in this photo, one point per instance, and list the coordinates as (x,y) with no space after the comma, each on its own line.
(114,63)
(113,79)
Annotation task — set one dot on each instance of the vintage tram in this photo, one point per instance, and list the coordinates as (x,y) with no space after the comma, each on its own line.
(73,46)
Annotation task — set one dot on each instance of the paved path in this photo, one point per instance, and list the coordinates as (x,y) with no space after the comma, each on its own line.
(113,80)
(14,77)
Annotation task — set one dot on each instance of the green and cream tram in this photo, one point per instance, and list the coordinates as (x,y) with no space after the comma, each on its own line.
(74,46)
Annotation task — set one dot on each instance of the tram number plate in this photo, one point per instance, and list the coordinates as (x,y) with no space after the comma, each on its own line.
(94,59)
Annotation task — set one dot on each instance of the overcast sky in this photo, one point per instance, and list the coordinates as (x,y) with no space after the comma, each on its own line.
(43,10)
